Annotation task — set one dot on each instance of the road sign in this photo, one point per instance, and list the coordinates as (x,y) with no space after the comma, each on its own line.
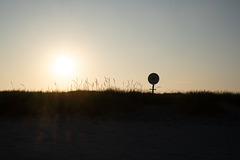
(153,79)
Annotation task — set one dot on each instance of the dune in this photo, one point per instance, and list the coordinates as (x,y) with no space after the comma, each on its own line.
(119,125)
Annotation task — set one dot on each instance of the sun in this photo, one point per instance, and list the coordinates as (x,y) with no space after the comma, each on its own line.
(64,66)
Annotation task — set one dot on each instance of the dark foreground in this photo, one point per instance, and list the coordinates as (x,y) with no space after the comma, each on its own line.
(139,137)
(117,125)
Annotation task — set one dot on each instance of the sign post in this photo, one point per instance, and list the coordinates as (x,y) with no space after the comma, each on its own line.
(153,79)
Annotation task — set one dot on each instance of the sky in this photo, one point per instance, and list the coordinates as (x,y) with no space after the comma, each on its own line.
(193,45)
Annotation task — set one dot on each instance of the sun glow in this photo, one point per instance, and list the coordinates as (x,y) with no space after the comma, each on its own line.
(64,66)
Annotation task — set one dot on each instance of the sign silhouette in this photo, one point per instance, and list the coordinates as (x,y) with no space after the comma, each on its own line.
(153,79)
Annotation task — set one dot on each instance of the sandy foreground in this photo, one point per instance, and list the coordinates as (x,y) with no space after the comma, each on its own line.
(134,137)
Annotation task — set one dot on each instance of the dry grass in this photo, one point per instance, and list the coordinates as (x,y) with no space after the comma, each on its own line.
(97,103)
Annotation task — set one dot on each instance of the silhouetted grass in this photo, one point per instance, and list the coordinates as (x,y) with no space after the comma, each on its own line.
(97,103)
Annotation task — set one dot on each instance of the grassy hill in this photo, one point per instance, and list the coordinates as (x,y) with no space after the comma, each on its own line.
(111,102)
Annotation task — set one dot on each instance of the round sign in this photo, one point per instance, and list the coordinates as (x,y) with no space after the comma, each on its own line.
(153,78)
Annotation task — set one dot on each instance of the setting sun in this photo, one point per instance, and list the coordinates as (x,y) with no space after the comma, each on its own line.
(64,66)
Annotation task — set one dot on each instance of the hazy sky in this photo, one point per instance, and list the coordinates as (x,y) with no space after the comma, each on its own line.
(191,44)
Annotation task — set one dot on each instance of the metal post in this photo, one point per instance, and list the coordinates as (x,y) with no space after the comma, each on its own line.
(153,89)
